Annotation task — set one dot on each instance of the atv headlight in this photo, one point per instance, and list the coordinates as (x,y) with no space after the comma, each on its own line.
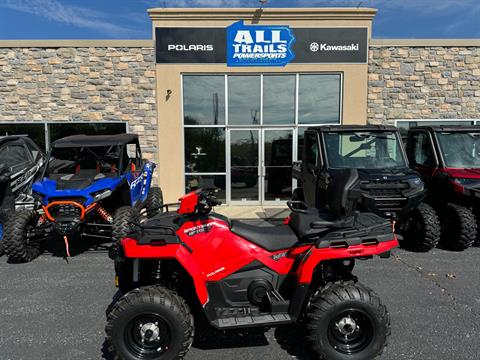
(465,181)
(416,182)
(102,194)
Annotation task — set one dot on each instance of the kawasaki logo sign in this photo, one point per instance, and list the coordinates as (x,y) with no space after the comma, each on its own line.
(259,45)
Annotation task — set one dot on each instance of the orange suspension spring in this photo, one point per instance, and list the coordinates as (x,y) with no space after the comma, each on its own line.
(104,214)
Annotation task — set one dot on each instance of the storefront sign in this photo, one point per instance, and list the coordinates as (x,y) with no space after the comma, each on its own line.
(254,45)
(249,45)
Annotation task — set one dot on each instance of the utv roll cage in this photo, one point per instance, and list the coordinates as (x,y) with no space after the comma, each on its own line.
(90,141)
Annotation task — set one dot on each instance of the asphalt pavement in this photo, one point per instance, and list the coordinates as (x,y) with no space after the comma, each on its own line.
(51,309)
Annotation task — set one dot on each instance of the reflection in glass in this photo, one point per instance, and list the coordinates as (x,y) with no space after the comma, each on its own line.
(204,150)
(194,182)
(278,99)
(58,131)
(278,164)
(36,132)
(204,100)
(318,99)
(244,100)
(244,164)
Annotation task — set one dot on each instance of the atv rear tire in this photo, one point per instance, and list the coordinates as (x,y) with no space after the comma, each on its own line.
(150,322)
(3,219)
(460,227)
(123,219)
(154,202)
(423,229)
(17,245)
(347,321)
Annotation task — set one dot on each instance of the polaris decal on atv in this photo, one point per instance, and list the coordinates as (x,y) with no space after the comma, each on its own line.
(135,182)
(198,229)
(277,257)
(25,178)
(216,272)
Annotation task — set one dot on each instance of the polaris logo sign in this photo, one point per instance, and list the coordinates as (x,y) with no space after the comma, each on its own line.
(260,45)
(251,45)
(192,47)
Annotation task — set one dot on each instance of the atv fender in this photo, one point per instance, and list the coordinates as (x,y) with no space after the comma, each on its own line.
(172,251)
(313,258)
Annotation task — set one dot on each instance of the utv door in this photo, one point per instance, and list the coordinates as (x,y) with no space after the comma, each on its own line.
(421,154)
(134,171)
(311,168)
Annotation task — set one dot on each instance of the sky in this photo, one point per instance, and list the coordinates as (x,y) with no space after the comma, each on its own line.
(128,19)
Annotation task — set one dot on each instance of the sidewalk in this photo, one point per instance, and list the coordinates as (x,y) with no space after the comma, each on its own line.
(253,212)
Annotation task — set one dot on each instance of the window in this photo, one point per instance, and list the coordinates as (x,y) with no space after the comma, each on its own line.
(311,149)
(364,150)
(422,150)
(60,130)
(278,99)
(204,100)
(204,150)
(244,100)
(36,132)
(319,99)
(43,133)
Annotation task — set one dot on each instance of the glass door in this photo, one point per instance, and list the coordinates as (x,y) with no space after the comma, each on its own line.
(244,166)
(277,156)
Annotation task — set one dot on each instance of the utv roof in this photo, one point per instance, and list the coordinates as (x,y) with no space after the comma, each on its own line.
(4,139)
(94,140)
(459,128)
(339,128)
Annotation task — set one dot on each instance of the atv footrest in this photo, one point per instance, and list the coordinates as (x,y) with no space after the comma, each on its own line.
(252,320)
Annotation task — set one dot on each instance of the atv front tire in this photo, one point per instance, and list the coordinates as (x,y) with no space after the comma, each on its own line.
(423,230)
(154,202)
(152,323)
(16,242)
(347,321)
(460,227)
(123,219)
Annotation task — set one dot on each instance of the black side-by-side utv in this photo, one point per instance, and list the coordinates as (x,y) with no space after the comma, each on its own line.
(381,182)
(20,162)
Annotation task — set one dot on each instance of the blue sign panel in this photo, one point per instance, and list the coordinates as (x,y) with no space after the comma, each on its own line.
(254,45)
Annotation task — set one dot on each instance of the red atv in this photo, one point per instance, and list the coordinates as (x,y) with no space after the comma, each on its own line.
(448,159)
(194,263)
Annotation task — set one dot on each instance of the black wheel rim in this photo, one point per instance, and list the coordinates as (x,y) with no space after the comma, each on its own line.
(148,336)
(351,331)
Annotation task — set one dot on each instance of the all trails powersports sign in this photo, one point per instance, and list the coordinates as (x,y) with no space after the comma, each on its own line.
(259,45)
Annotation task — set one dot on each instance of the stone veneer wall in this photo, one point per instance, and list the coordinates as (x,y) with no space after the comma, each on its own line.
(81,84)
(408,82)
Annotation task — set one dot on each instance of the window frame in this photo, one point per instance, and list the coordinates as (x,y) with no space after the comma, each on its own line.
(432,147)
(47,123)
(295,125)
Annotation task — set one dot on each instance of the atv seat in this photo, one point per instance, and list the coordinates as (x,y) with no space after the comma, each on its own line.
(270,238)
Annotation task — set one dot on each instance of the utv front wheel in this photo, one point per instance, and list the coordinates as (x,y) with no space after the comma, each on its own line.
(347,321)
(150,323)
(423,229)
(123,219)
(154,202)
(19,239)
(460,227)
